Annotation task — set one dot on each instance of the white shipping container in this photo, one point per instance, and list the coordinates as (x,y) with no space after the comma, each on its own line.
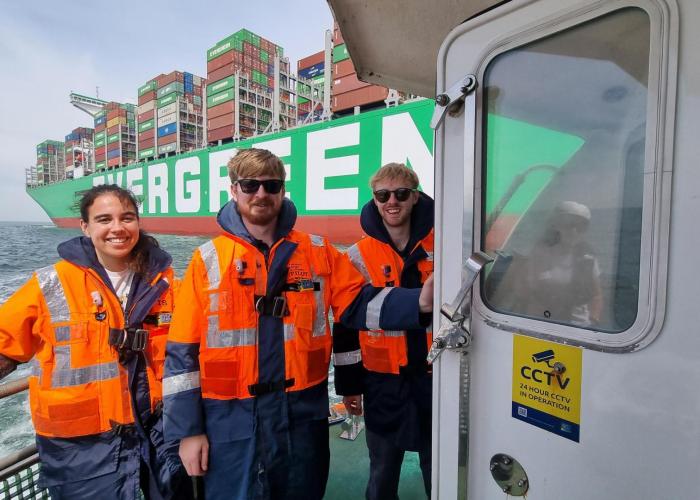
(166,110)
(146,107)
(167,148)
(167,119)
(196,80)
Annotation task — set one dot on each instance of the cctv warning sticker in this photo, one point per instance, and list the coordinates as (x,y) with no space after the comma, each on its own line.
(547,385)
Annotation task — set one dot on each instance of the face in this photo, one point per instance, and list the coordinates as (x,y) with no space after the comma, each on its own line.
(395,213)
(260,208)
(113,227)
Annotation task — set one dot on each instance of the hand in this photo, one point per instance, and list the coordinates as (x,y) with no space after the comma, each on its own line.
(194,453)
(425,300)
(353,404)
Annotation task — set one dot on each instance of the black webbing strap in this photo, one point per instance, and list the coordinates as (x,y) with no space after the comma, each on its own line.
(268,387)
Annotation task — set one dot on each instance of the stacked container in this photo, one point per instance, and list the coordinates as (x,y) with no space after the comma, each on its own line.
(115,136)
(170,118)
(78,148)
(50,162)
(346,90)
(250,58)
(311,73)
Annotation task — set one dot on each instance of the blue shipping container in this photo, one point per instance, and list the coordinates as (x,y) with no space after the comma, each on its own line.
(100,120)
(189,88)
(188,77)
(168,129)
(310,72)
(112,154)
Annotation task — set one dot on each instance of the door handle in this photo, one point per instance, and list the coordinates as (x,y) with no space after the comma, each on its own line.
(455,334)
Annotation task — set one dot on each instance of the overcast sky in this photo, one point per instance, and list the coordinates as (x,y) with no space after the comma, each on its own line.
(48,49)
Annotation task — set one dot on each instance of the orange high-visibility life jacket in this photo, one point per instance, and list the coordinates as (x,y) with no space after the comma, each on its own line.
(62,317)
(216,308)
(386,351)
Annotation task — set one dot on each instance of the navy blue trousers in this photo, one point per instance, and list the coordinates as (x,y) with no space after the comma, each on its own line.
(385,460)
(285,464)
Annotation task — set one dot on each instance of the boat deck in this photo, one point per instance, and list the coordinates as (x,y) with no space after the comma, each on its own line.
(350,470)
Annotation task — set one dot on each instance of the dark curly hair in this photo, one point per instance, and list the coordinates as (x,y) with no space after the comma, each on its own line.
(140,252)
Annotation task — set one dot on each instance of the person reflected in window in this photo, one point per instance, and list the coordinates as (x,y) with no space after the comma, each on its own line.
(563,276)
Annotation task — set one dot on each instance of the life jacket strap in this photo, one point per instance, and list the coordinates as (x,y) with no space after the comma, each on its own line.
(268,387)
(128,339)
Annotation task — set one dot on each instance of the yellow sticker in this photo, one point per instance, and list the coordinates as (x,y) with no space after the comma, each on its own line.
(547,385)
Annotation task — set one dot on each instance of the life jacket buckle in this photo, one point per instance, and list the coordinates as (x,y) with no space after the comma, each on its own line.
(272,306)
(140,339)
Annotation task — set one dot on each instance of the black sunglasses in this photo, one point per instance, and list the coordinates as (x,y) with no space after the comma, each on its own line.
(401,194)
(251,186)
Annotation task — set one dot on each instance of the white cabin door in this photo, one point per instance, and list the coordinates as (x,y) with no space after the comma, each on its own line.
(577,381)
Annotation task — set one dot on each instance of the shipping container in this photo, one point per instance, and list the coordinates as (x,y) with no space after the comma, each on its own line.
(343,68)
(360,97)
(167,130)
(167,119)
(167,148)
(221,121)
(114,153)
(148,134)
(220,98)
(114,162)
(337,35)
(221,85)
(166,110)
(167,139)
(175,76)
(340,53)
(311,71)
(171,87)
(312,60)
(222,109)
(148,124)
(148,115)
(220,133)
(100,165)
(148,87)
(147,153)
(146,107)
(148,96)
(346,84)
(168,99)
(147,142)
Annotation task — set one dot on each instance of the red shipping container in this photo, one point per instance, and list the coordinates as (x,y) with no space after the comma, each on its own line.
(148,96)
(100,127)
(247,48)
(311,60)
(113,162)
(346,84)
(168,139)
(219,122)
(146,143)
(148,134)
(220,133)
(112,146)
(232,56)
(174,76)
(222,109)
(337,35)
(116,113)
(147,115)
(223,72)
(100,157)
(359,97)
(112,130)
(343,68)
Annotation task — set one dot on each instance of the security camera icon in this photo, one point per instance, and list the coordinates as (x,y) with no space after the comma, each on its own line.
(543,357)
(548,358)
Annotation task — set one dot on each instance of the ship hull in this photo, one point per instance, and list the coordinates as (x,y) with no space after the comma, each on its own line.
(328,165)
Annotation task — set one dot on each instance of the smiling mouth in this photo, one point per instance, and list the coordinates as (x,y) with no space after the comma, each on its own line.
(117,240)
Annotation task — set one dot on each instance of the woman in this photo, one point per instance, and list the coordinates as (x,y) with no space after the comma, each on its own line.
(95,324)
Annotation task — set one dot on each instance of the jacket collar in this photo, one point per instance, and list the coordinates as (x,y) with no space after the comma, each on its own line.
(230,221)
(422,220)
(81,252)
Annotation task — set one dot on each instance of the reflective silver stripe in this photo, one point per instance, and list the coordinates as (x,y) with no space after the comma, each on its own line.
(214,302)
(393,333)
(374,309)
(181,383)
(65,376)
(62,333)
(359,263)
(55,297)
(229,338)
(347,358)
(320,319)
(316,240)
(211,261)
(288,331)
(429,258)
(35,367)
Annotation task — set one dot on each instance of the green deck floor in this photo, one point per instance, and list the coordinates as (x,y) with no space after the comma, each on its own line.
(350,470)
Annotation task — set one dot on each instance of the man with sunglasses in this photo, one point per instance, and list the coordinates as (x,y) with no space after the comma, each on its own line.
(389,367)
(246,371)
